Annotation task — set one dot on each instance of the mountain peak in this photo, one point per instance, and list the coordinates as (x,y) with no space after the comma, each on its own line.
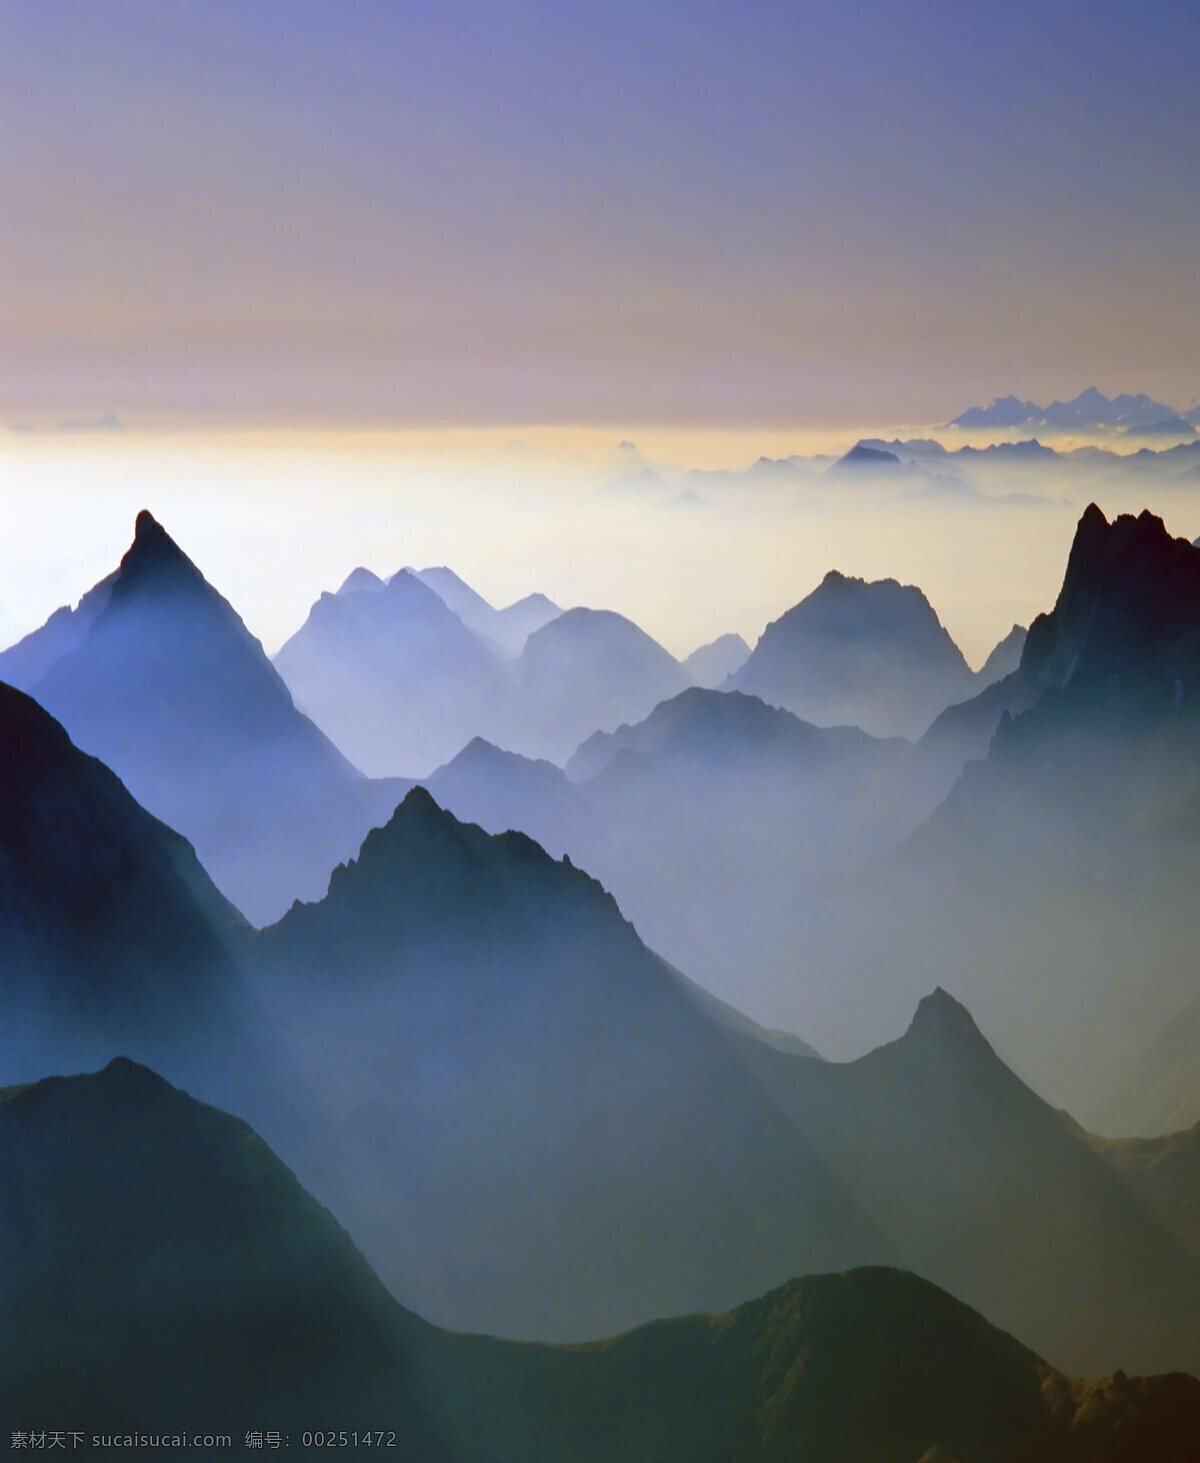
(155,560)
(1129,606)
(125,1069)
(146,527)
(940,1014)
(862,456)
(361,580)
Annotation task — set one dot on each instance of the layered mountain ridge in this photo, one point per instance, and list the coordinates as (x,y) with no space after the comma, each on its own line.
(203,1289)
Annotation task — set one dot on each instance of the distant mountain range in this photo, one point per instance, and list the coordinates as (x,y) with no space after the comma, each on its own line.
(1090,410)
(169,1276)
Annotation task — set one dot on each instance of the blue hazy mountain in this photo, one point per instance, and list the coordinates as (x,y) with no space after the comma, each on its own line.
(713,663)
(24,664)
(454,592)
(205,1290)
(860,456)
(706,819)
(394,676)
(589,670)
(854,653)
(1004,658)
(156,675)
(398,679)
(508,628)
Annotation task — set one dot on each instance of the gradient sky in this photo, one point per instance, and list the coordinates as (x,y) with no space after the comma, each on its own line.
(723,214)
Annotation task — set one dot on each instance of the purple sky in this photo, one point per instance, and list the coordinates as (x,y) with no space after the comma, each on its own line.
(723,214)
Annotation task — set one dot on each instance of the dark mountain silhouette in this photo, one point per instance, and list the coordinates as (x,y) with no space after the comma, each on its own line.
(169,688)
(395,676)
(113,938)
(517,1079)
(167,1273)
(589,670)
(871,1365)
(715,724)
(711,664)
(873,655)
(523,1084)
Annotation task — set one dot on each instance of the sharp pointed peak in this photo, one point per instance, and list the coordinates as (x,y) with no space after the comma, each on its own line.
(152,548)
(150,535)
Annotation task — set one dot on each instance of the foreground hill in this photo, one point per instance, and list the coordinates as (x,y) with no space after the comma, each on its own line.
(169,688)
(167,1275)
(165,1272)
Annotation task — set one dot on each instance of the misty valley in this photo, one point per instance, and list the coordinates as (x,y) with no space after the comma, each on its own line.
(481,1029)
